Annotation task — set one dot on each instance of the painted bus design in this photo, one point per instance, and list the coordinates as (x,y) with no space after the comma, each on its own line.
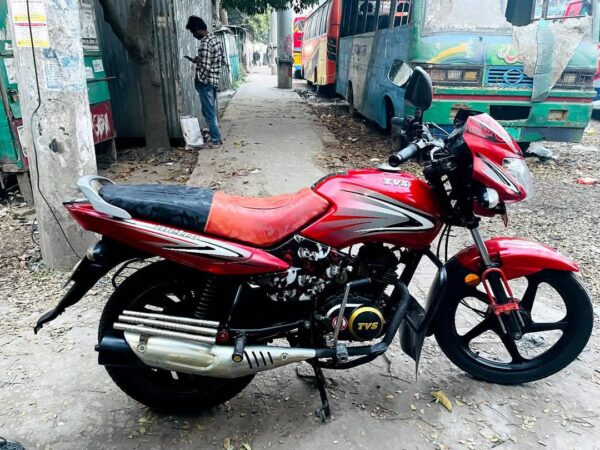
(473,63)
(298,37)
(320,45)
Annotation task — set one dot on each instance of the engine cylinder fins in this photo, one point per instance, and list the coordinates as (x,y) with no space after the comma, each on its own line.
(199,358)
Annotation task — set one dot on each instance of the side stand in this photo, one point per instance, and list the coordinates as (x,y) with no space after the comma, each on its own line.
(323,412)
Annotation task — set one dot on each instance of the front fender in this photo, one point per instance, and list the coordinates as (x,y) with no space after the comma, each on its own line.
(517,257)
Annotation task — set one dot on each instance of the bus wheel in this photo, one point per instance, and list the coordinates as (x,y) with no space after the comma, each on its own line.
(351,108)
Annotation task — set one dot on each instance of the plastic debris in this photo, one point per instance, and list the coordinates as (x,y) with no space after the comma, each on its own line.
(543,153)
(587,181)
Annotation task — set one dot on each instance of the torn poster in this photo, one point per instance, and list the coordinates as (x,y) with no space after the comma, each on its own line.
(63,72)
(27,24)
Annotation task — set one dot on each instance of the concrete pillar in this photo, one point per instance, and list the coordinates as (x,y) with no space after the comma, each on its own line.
(60,123)
(285,48)
(273,42)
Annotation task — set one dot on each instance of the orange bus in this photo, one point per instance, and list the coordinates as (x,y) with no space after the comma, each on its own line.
(320,44)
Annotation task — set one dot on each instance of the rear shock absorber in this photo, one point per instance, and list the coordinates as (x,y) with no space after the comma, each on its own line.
(206,297)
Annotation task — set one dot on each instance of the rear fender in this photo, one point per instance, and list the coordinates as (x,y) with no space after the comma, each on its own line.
(517,257)
(101,258)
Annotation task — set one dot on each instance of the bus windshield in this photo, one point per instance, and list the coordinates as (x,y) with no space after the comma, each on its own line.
(458,16)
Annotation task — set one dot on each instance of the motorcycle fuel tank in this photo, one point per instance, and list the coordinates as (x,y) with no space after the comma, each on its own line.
(372,205)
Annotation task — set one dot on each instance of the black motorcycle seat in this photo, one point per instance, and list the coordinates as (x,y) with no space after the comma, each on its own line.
(175,205)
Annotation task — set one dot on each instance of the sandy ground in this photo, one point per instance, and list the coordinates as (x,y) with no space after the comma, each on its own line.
(54,395)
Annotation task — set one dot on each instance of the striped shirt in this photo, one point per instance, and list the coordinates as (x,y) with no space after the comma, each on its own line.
(210,59)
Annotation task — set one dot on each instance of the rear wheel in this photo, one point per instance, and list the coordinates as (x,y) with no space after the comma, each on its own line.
(558,317)
(167,289)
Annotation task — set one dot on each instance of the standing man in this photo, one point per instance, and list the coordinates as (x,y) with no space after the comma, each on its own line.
(208,71)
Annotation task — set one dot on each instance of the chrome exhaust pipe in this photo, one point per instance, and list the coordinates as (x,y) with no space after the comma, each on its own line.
(153,324)
(199,358)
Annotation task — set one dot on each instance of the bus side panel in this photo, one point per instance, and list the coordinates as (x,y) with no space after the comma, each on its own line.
(359,73)
(396,46)
(343,65)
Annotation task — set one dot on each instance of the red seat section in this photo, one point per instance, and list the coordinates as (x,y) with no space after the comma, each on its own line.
(262,222)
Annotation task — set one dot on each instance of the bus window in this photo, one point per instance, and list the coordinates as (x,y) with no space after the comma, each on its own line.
(383,21)
(402,13)
(558,9)
(323,21)
(366,16)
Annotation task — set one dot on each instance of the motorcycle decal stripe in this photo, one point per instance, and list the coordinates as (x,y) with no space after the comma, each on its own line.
(190,243)
(386,214)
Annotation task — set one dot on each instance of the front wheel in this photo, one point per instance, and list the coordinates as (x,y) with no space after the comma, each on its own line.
(558,318)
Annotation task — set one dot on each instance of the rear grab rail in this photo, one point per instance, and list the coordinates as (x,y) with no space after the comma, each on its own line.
(98,203)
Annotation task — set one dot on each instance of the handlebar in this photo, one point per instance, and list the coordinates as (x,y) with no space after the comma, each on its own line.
(408,152)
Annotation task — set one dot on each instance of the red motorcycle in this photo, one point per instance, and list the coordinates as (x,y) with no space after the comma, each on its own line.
(225,276)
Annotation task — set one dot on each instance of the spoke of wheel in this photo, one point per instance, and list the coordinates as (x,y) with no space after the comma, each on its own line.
(511,347)
(536,327)
(529,296)
(477,330)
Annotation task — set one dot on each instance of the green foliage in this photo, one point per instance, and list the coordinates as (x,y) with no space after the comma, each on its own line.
(258,25)
(253,7)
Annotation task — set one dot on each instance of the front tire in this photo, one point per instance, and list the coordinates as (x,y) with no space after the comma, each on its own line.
(154,288)
(575,328)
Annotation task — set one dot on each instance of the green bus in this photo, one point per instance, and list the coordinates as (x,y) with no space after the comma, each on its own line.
(537,80)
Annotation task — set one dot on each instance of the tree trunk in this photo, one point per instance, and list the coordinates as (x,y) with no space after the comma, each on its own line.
(137,37)
(224,16)
(155,117)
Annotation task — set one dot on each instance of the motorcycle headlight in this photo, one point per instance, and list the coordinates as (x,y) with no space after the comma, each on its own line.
(520,172)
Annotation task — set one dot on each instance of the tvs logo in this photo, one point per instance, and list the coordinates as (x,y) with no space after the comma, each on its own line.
(395,182)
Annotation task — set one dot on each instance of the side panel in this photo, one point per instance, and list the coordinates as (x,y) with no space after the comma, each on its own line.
(191,249)
(518,257)
(375,206)
(364,61)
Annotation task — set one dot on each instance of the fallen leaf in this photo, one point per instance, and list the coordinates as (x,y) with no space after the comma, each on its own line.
(246,446)
(413,407)
(227,444)
(441,398)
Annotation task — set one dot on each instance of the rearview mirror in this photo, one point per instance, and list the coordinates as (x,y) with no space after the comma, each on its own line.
(520,12)
(399,73)
(419,91)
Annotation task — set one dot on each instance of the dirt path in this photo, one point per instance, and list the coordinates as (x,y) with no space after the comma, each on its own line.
(54,395)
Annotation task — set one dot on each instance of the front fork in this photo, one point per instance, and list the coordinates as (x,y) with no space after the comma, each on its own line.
(502,301)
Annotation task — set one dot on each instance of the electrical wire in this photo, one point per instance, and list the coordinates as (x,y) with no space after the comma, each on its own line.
(35,111)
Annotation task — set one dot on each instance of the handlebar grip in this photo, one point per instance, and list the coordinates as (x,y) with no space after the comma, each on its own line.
(408,152)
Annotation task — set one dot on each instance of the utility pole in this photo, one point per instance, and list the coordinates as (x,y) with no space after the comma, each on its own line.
(57,123)
(285,48)
(273,41)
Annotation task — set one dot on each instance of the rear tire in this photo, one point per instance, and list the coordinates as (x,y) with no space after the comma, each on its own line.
(171,392)
(576,328)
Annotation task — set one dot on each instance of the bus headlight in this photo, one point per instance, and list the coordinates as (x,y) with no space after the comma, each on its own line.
(453,75)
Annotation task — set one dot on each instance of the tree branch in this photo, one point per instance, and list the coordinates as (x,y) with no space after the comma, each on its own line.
(128,40)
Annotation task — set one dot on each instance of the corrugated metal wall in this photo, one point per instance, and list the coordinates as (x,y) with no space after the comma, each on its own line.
(173,42)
